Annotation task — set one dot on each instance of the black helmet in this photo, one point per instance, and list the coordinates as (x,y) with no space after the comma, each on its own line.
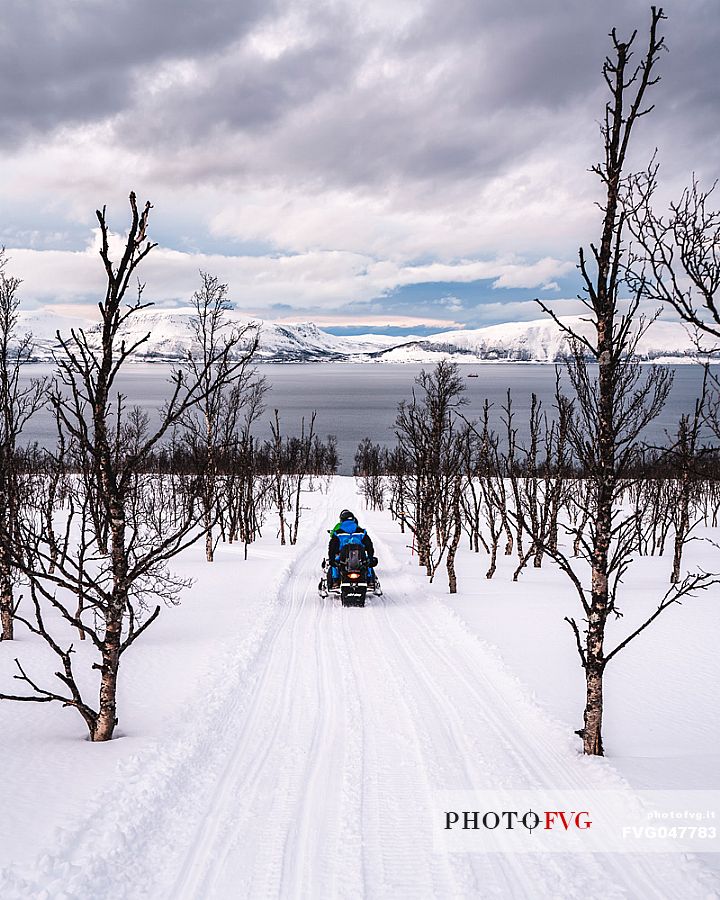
(345,515)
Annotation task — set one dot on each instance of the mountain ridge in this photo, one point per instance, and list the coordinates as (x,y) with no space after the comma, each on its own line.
(170,338)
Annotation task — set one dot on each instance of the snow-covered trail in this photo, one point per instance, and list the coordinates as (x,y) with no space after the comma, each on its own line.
(357,717)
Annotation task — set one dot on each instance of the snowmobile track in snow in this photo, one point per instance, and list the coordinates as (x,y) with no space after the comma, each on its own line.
(311,754)
(357,717)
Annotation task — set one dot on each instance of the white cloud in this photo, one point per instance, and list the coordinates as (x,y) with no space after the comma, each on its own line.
(370,146)
(389,320)
(539,273)
(316,278)
(451,303)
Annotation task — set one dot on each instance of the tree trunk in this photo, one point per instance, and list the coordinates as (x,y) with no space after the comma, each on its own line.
(595,663)
(579,535)
(294,530)
(453,545)
(592,731)
(538,557)
(452,576)
(521,565)
(107,715)
(553,538)
(80,594)
(677,557)
(6,617)
(280,500)
(493,559)
(209,547)
(6,602)
(423,551)
(509,536)
(681,531)
(8,627)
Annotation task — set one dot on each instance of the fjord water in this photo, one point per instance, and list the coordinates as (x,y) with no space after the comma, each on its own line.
(356,400)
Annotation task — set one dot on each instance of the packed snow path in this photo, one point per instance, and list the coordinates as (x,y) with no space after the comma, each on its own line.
(311,745)
(356,717)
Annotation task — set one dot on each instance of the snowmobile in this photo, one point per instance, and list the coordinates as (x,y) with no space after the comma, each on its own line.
(353,565)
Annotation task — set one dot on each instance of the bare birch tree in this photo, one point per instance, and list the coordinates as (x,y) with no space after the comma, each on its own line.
(18,402)
(433,444)
(105,574)
(678,256)
(615,405)
(221,366)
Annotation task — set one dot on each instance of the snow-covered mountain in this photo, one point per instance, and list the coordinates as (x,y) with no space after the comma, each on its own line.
(171,337)
(543,341)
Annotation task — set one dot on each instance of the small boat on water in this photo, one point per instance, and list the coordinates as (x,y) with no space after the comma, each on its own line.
(473,375)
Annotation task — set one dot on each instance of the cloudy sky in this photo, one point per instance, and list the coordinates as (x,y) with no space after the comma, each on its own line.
(420,164)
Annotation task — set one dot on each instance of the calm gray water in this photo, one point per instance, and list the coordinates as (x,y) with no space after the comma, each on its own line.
(355,400)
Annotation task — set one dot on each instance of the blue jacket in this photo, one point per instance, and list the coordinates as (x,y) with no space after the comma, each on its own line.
(349,532)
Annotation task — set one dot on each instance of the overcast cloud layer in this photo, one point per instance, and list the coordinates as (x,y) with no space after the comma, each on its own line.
(405,162)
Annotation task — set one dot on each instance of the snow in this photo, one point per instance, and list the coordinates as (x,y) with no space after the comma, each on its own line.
(543,341)
(275,744)
(170,338)
(171,335)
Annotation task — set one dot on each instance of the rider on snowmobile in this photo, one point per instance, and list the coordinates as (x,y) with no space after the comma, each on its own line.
(346,531)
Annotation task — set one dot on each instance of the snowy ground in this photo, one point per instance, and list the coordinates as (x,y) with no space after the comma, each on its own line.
(273,744)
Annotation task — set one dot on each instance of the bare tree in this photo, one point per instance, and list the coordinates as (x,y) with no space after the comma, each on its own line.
(488,473)
(370,468)
(673,498)
(539,478)
(399,476)
(114,562)
(677,260)
(244,490)
(280,495)
(686,451)
(678,257)
(292,463)
(221,366)
(18,402)
(613,407)
(299,456)
(432,443)
(601,402)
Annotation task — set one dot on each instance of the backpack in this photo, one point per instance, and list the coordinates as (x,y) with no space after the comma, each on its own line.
(353,556)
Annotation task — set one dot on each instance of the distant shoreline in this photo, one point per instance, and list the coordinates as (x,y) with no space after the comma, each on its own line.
(464,362)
